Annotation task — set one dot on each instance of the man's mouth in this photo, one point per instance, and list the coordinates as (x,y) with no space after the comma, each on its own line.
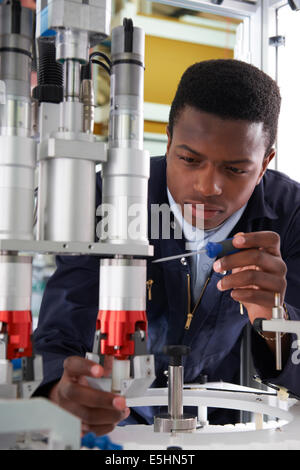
(204,211)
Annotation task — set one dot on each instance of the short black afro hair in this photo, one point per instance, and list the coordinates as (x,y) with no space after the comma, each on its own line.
(230,89)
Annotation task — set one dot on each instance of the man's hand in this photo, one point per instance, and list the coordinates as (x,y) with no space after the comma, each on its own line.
(257,272)
(99,411)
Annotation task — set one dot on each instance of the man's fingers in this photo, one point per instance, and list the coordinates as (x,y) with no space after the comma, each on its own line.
(75,366)
(270,241)
(95,416)
(98,430)
(90,397)
(251,257)
(252,296)
(250,277)
(102,427)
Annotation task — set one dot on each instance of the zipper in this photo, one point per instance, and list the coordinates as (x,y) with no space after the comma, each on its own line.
(191,314)
(149,284)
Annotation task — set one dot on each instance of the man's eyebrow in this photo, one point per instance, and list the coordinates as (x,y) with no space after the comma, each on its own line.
(186,147)
(240,160)
(198,154)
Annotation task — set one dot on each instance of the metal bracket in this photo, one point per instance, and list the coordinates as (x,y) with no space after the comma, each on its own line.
(76,248)
(143,377)
(277,41)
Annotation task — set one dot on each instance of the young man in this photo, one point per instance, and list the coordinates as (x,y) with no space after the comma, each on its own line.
(221,132)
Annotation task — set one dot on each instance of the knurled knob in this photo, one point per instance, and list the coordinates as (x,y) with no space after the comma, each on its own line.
(175,352)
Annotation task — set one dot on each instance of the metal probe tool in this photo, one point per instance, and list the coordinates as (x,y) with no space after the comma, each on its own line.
(212,249)
(223,248)
(278,313)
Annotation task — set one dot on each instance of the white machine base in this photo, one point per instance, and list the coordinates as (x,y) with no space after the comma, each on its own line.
(37,424)
(280,432)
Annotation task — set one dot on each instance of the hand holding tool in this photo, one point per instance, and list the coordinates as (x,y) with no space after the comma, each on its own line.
(212,249)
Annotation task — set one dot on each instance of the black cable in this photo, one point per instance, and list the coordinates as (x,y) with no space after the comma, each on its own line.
(275,387)
(231,390)
(101,54)
(101,65)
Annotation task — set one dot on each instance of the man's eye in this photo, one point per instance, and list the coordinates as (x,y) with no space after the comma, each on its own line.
(236,171)
(187,159)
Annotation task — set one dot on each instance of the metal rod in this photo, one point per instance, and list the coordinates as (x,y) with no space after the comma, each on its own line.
(72,80)
(175,391)
(185,255)
(277,314)
(278,351)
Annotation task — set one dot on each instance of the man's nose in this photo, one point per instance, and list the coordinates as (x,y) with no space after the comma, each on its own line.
(208,181)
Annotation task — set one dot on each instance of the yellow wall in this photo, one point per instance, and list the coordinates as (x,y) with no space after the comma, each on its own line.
(165,61)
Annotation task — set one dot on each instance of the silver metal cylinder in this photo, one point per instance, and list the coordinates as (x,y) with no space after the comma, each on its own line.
(17,149)
(67,186)
(15,282)
(87,99)
(71,80)
(17,164)
(15,116)
(66,203)
(127,89)
(278,313)
(122,284)
(67,182)
(15,71)
(72,44)
(16,46)
(70,118)
(277,310)
(125,197)
(126,173)
(175,391)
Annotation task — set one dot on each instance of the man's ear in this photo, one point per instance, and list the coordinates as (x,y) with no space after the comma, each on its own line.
(267,159)
(169,140)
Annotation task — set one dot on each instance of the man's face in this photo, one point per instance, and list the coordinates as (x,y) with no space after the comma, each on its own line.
(214,162)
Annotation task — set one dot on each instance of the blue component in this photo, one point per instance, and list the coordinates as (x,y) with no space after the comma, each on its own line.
(90,440)
(48,33)
(17,363)
(213,249)
(44,31)
(223,248)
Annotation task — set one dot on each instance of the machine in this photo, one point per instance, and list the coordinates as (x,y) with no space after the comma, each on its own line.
(64,153)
